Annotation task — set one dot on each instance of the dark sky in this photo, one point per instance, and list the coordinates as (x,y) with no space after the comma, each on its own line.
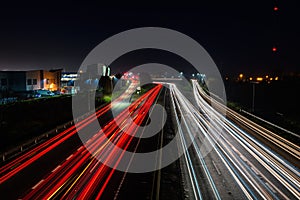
(238,35)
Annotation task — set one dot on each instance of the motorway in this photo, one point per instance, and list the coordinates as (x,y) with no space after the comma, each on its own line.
(226,155)
(223,161)
(63,168)
(205,176)
(259,171)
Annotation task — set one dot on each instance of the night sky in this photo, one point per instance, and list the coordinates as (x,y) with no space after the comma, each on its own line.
(239,36)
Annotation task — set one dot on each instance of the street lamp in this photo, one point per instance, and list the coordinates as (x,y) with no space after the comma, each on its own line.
(253,93)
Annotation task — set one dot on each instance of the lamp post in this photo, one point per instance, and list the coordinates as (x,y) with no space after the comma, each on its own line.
(253,93)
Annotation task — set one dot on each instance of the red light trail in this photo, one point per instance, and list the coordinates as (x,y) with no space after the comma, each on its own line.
(18,164)
(81,173)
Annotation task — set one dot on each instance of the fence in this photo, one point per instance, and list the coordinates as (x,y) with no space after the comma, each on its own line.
(8,100)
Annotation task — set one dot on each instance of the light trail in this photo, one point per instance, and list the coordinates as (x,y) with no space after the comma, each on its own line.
(181,104)
(255,168)
(80,175)
(18,164)
(266,171)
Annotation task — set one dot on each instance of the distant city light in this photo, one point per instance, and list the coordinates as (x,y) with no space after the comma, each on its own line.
(266,78)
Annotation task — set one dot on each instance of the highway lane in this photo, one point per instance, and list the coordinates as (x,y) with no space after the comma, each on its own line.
(282,146)
(234,155)
(81,174)
(163,183)
(22,161)
(39,160)
(144,185)
(261,172)
(155,194)
(223,161)
(204,180)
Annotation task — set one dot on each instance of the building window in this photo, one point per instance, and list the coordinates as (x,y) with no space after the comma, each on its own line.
(3,81)
(29,82)
(34,81)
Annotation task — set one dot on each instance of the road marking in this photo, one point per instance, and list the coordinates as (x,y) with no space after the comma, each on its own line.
(32,154)
(218,171)
(16,165)
(37,184)
(56,168)
(69,157)
(255,170)
(271,188)
(93,168)
(243,158)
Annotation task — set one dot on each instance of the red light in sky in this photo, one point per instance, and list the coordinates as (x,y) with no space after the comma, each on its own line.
(276,8)
(274,49)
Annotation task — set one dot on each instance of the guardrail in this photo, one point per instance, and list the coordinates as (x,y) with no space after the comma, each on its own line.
(274,125)
(37,140)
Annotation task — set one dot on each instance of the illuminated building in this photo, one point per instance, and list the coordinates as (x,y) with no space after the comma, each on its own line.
(30,80)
